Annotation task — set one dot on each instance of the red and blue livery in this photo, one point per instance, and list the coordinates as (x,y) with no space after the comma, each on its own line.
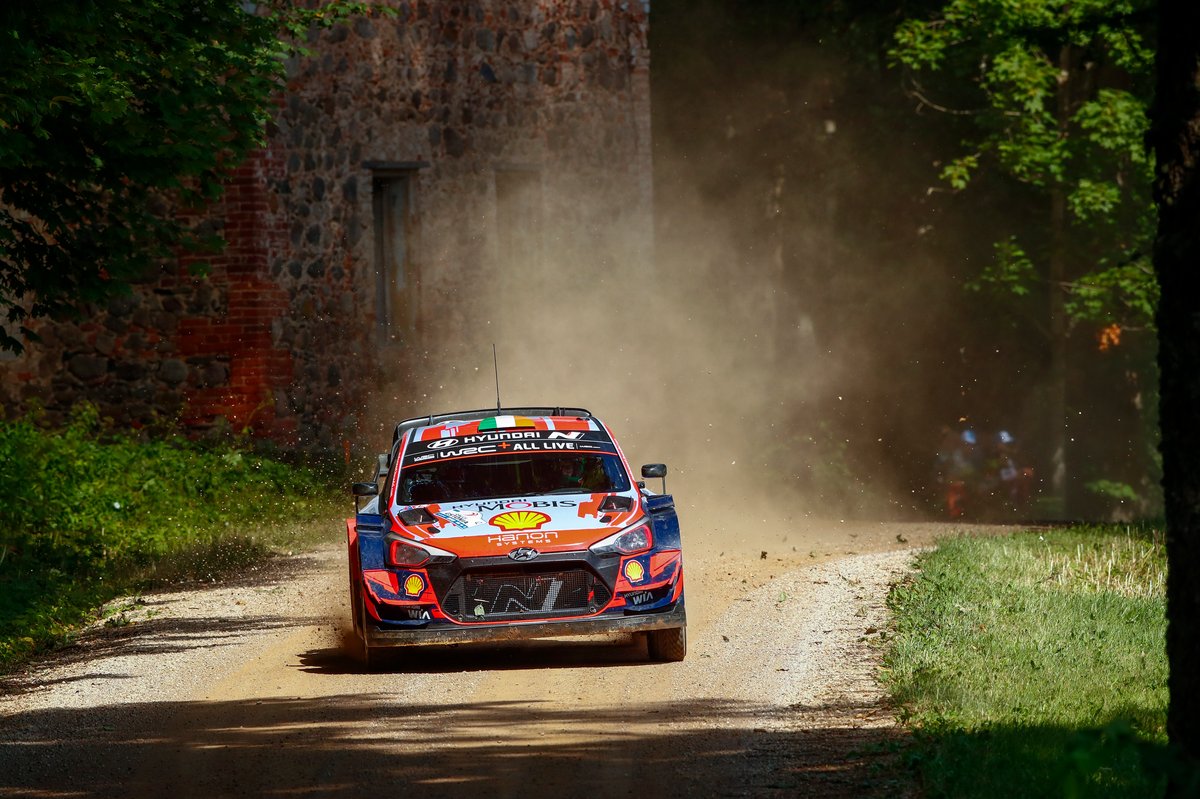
(513,523)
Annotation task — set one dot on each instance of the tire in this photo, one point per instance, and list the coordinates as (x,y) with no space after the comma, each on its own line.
(359,650)
(667,646)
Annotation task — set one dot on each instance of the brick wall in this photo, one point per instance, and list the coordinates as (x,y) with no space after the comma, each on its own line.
(280,336)
(237,346)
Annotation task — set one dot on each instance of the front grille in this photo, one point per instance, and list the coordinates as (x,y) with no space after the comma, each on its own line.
(497,596)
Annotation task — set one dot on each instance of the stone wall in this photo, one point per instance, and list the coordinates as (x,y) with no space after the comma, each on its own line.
(281,336)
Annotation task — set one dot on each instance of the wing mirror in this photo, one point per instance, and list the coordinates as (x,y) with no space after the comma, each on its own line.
(363,490)
(656,470)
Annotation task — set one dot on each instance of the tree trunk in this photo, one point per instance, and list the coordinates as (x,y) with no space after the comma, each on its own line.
(1056,404)
(1057,396)
(1176,138)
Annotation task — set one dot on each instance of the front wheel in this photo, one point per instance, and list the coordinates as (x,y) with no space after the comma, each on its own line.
(358,648)
(667,646)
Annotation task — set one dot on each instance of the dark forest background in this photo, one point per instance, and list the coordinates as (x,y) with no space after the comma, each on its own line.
(787,127)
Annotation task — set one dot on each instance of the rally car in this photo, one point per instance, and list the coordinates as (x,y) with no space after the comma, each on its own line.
(513,523)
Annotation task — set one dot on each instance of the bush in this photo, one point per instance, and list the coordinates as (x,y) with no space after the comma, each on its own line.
(86,503)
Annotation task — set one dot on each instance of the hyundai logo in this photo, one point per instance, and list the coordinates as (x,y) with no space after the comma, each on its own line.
(523,553)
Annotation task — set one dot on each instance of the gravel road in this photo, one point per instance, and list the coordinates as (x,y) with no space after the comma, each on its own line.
(242,689)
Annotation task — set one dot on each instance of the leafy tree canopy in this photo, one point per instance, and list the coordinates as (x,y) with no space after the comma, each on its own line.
(1059,93)
(112,114)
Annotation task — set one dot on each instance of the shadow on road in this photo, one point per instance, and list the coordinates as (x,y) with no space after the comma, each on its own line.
(538,654)
(152,637)
(360,745)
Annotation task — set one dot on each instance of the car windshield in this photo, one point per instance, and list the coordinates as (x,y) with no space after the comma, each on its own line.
(510,475)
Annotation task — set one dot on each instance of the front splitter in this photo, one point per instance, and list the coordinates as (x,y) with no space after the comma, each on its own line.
(519,631)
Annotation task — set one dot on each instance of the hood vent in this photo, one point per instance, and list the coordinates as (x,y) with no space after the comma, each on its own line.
(414,516)
(616,503)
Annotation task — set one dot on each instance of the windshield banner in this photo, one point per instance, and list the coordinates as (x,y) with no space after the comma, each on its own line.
(507,442)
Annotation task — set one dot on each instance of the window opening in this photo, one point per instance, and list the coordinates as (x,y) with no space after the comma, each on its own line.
(396,278)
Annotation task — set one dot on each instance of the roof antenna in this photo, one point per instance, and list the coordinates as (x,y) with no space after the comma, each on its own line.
(496,364)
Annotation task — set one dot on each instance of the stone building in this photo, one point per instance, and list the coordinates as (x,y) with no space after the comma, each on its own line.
(419,165)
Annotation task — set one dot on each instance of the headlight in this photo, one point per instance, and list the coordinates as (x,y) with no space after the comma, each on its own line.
(627,542)
(407,554)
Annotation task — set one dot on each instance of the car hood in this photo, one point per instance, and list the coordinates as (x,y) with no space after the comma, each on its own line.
(550,523)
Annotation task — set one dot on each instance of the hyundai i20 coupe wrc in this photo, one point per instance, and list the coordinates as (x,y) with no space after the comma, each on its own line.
(508,524)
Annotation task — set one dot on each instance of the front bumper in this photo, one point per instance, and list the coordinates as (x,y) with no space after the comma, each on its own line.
(519,631)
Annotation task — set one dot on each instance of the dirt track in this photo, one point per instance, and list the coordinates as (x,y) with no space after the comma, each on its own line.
(242,690)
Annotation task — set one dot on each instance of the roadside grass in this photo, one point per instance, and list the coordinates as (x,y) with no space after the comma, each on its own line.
(1035,664)
(90,513)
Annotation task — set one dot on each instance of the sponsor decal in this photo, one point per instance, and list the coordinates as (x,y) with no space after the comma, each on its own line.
(518,539)
(547,446)
(462,519)
(520,504)
(486,449)
(634,571)
(524,554)
(487,437)
(414,585)
(639,598)
(496,442)
(519,520)
(505,447)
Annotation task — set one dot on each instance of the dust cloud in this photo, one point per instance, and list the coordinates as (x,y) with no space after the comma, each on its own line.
(787,340)
(692,360)
(702,350)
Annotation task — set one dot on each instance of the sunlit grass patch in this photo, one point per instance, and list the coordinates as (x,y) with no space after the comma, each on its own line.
(1131,564)
(1018,659)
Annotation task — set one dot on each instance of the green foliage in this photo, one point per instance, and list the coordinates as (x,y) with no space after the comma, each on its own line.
(958,172)
(1034,665)
(88,510)
(1059,94)
(1122,492)
(1126,290)
(116,114)
(1013,270)
(76,499)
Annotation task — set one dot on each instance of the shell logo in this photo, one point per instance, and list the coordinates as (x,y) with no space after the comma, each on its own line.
(634,571)
(414,585)
(519,520)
